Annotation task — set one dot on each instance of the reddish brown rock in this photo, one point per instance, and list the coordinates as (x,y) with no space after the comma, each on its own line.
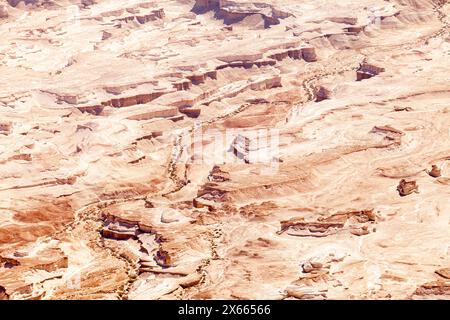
(329,225)
(435,172)
(405,188)
(163,258)
(103,196)
(190,280)
(367,71)
(3,294)
(3,12)
(390,133)
(217,175)
(399,108)
(445,273)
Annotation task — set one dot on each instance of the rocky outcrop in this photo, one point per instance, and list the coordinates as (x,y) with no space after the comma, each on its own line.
(367,71)
(122,102)
(3,294)
(210,195)
(434,289)
(132,100)
(118,228)
(163,258)
(147,112)
(357,222)
(182,85)
(309,54)
(50,266)
(353,30)
(95,110)
(144,18)
(435,172)
(5,127)
(389,133)
(201,77)
(191,280)
(322,93)
(202,6)
(117,232)
(241,147)
(217,175)
(87,3)
(344,20)
(3,12)
(289,53)
(50,182)
(211,192)
(299,227)
(401,108)
(306,53)
(191,112)
(247,64)
(14,3)
(138,212)
(269,56)
(305,293)
(188,77)
(233,12)
(405,188)
(262,82)
(312,266)
(206,202)
(8,262)
(106,35)
(444,273)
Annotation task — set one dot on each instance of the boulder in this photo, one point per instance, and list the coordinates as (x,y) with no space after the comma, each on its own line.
(405,188)
(3,294)
(367,71)
(3,12)
(163,258)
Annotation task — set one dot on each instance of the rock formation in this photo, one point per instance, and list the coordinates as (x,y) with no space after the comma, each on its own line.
(367,71)
(322,93)
(233,12)
(389,133)
(444,273)
(3,12)
(405,188)
(163,259)
(217,175)
(3,294)
(223,149)
(241,147)
(435,289)
(326,226)
(435,172)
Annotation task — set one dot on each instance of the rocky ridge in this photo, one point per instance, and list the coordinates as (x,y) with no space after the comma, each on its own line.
(130,157)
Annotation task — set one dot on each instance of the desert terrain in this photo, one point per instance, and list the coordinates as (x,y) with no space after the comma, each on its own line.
(181,149)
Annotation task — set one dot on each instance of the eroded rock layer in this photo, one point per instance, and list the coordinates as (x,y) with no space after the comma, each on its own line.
(224,149)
